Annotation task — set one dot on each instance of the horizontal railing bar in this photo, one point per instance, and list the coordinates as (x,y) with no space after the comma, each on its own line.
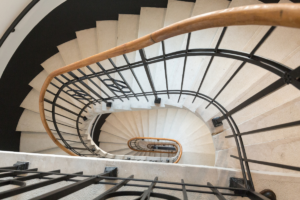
(111,79)
(69,189)
(269,163)
(103,82)
(61,124)
(131,179)
(134,75)
(95,85)
(75,92)
(122,77)
(156,187)
(78,148)
(79,88)
(65,100)
(91,70)
(59,106)
(286,125)
(26,178)
(62,116)
(86,86)
(72,141)
(64,132)
(269,65)
(19,190)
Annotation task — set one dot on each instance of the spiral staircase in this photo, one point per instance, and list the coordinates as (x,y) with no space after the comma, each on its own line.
(173,87)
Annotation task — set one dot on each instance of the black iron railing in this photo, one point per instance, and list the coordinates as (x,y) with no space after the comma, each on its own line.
(82,87)
(79,90)
(110,175)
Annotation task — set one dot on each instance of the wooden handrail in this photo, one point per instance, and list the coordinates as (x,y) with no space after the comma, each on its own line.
(153,138)
(263,14)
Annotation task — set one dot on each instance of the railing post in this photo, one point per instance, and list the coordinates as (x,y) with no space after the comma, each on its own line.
(143,56)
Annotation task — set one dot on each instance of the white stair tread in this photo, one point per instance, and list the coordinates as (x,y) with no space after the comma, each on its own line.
(169,121)
(123,122)
(31,122)
(279,151)
(145,122)
(205,148)
(152,122)
(177,123)
(108,147)
(107,127)
(107,137)
(56,151)
(138,122)
(132,124)
(114,121)
(34,142)
(31,103)
(197,159)
(161,117)
(285,113)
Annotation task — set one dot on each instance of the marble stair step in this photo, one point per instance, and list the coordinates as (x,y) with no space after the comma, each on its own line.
(280,151)
(131,121)
(30,122)
(205,148)
(145,122)
(197,159)
(108,137)
(56,151)
(160,124)
(118,127)
(169,121)
(31,103)
(177,123)
(108,147)
(138,122)
(202,131)
(124,122)
(152,122)
(34,142)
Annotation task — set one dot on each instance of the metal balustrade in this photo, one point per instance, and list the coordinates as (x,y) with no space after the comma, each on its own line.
(110,174)
(78,86)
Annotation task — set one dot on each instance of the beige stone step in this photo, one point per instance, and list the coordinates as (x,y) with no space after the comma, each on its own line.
(109,147)
(108,137)
(280,151)
(197,159)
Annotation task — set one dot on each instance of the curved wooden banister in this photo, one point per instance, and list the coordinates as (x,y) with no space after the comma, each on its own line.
(153,138)
(263,14)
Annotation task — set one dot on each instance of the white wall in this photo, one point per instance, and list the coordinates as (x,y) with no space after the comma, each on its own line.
(9,10)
